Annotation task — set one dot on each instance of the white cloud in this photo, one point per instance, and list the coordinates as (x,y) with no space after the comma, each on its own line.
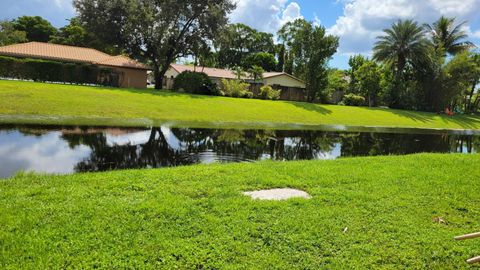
(364,20)
(476,34)
(265,15)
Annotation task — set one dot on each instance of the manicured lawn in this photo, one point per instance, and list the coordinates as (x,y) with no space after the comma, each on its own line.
(25,102)
(196,217)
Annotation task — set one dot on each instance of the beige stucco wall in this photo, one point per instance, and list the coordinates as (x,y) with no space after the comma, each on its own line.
(171,73)
(132,78)
(284,80)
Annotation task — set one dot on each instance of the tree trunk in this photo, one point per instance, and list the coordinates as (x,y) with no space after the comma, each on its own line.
(159,74)
(469,105)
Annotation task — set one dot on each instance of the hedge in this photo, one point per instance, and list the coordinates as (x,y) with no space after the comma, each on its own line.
(195,83)
(52,71)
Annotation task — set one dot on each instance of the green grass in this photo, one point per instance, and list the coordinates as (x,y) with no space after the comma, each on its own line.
(37,103)
(196,217)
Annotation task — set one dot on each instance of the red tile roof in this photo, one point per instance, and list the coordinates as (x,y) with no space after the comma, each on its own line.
(224,73)
(66,53)
(211,72)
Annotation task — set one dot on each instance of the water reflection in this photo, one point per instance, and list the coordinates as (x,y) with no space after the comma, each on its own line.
(64,150)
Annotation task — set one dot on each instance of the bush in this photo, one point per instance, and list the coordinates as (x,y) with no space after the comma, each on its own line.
(52,71)
(236,88)
(267,92)
(195,83)
(353,100)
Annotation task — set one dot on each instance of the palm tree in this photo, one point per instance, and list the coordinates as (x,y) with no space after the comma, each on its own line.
(239,73)
(256,72)
(403,43)
(447,35)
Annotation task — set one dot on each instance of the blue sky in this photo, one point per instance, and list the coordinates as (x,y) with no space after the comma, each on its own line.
(356,22)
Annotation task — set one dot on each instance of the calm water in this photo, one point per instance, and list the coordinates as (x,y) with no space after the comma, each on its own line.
(83,149)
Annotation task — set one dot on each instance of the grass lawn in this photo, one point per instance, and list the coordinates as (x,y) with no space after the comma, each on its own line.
(196,217)
(37,103)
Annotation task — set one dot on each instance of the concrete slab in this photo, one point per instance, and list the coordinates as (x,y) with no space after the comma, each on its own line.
(277,194)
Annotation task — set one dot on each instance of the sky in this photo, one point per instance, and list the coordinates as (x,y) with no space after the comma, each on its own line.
(356,22)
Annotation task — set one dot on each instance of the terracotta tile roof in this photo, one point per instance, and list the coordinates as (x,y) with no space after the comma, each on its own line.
(211,72)
(225,73)
(64,53)
(273,74)
(121,61)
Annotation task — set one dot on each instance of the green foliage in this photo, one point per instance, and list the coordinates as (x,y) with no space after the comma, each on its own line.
(195,83)
(50,71)
(368,78)
(35,27)
(240,74)
(236,88)
(256,73)
(355,62)
(267,92)
(264,60)
(353,100)
(463,77)
(448,36)
(336,82)
(156,31)
(238,42)
(73,34)
(404,43)
(311,49)
(8,34)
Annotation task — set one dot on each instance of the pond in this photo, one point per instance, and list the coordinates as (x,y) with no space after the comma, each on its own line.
(91,149)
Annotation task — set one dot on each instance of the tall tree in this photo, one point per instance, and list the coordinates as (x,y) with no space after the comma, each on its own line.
(448,36)
(239,41)
(256,72)
(355,62)
(264,60)
(8,34)
(464,77)
(75,34)
(157,31)
(35,27)
(404,43)
(368,78)
(311,49)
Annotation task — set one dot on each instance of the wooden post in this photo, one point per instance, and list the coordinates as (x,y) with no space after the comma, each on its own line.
(474,260)
(468,236)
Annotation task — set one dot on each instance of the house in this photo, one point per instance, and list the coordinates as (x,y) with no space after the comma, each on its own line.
(132,73)
(275,79)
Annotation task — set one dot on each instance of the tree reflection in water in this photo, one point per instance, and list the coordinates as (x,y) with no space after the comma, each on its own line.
(164,147)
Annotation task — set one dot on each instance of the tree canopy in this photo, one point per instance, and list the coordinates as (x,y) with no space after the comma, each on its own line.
(35,27)
(157,31)
(238,41)
(310,50)
(9,35)
(448,36)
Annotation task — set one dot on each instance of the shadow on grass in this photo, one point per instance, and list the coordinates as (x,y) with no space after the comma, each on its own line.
(463,121)
(149,91)
(155,92)
(314,107)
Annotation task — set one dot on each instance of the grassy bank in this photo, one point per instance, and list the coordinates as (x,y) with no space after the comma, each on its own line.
(196,217)
(37,103)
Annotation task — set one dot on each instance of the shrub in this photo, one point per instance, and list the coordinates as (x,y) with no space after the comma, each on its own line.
(195,83)
(353,100)
(52,71)
(236,88)
(267,92)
